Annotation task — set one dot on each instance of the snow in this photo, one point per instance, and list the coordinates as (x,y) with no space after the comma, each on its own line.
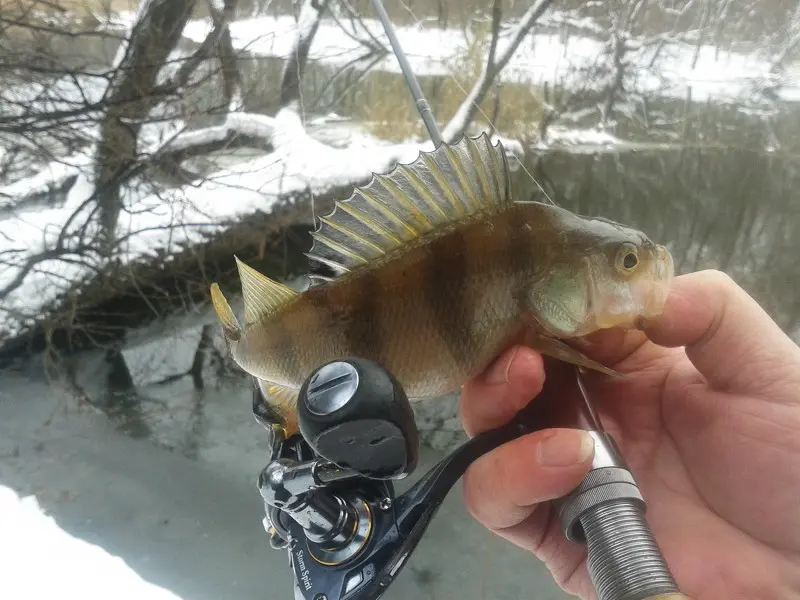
(589,137)
(41,560)
(543,57)
(51,175)
(298,164)
(255,125)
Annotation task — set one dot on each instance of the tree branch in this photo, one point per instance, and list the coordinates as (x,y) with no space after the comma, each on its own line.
(34,260)
(307,24)
(457,126)
(221,20)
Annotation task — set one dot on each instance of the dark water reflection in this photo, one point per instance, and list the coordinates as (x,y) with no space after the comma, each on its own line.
(730,209)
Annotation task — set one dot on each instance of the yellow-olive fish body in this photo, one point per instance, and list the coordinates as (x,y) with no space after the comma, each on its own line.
(439,269)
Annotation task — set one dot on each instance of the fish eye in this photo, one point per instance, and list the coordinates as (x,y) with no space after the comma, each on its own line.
(627,258)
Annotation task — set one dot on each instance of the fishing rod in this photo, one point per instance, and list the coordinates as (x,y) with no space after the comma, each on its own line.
(420,102)
(329,495)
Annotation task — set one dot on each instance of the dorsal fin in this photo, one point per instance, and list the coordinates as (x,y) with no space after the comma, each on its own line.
(447,185)
(261,296)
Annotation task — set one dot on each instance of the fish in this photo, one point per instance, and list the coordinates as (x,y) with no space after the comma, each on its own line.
(436,269)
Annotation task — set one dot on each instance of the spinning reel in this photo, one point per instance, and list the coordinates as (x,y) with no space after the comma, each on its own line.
(329,494)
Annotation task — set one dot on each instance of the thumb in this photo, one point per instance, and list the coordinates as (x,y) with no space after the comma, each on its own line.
(728,337)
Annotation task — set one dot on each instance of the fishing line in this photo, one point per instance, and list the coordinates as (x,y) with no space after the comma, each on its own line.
(485,116)
(301,101)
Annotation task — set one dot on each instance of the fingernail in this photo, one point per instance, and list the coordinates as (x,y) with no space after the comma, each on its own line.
(498,372)
(565,447)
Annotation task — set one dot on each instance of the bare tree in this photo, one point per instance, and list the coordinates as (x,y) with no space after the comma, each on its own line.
(98,128)
(131,96)
(94,134)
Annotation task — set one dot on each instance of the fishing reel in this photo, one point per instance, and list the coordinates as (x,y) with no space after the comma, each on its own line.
(329,491)
(330,501)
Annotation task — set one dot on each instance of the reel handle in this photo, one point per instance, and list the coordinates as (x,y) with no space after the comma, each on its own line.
(354,413)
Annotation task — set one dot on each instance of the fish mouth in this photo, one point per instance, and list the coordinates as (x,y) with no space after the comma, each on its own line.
(650,293)
(641,298)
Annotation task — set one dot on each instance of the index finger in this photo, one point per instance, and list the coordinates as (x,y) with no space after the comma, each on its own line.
(728,336)
(494,397)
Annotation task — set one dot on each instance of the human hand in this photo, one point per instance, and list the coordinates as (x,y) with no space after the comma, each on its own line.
(708,420)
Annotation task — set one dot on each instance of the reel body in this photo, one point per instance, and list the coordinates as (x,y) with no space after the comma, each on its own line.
(329,494)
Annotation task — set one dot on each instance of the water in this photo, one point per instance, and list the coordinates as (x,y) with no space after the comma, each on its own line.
(730,209)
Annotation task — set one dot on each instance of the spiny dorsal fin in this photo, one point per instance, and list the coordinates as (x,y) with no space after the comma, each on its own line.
(450,184)
(261,296)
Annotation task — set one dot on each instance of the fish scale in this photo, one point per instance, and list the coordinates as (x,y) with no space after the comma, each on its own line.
(437,269)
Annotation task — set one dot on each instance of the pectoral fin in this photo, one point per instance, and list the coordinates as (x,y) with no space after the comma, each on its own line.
(561,351)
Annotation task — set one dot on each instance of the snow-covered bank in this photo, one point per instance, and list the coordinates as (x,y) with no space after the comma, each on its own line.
(40,560)
(542,58)
(168,220)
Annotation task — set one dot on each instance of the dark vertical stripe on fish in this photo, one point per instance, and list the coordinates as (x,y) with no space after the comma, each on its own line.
(445,293)
(285,345)
(363,329)
(519,258)
(319,320)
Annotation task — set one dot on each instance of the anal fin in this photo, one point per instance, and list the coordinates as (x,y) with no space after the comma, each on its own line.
(281,404)
(561,351)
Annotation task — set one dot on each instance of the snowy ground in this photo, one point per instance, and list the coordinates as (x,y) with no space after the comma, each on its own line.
(32,542)
(165,221)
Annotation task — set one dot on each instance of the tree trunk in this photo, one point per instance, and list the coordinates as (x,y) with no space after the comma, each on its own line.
(130,96)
